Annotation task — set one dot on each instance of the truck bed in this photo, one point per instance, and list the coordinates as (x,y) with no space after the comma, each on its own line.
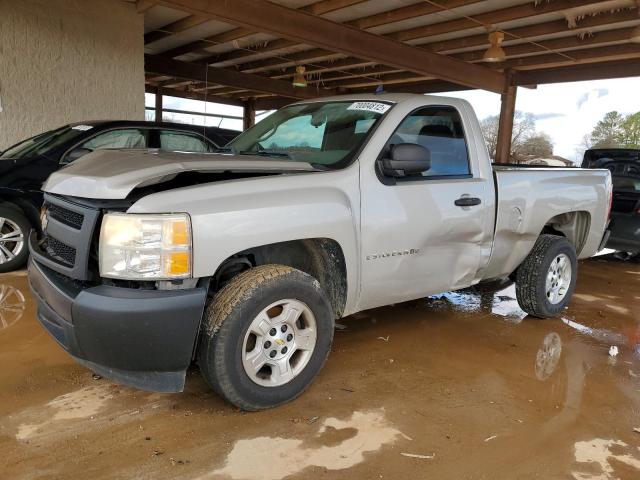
(531,199)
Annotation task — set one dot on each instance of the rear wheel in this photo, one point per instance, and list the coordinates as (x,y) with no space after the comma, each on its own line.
(266,335)
(14,228)
(547,277)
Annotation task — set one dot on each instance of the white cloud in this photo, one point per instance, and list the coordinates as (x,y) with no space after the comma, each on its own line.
(566,111)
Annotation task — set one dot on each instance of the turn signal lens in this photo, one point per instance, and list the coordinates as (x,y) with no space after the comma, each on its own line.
(145,247)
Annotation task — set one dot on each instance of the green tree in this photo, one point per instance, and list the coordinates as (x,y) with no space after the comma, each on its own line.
(608,132)
(631,131)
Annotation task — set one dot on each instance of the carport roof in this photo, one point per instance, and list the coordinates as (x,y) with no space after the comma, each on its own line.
(252,47)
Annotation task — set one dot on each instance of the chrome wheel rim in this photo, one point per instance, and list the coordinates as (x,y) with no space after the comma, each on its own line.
(279,343)
(558,279)
(11,240)
(12,305)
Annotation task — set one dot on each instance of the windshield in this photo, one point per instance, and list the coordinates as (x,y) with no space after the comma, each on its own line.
(43,142)
(323,133)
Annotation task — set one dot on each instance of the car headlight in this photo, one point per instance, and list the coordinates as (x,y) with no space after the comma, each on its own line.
(145,247)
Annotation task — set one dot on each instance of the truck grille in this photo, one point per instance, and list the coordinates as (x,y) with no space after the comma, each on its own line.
(68,232)
(68,217)
(60,251)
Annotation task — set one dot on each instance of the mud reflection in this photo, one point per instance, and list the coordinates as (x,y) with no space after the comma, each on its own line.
(338,444)
(548,356)
(12,305)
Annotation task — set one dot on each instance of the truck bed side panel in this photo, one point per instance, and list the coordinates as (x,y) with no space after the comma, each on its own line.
(529,198)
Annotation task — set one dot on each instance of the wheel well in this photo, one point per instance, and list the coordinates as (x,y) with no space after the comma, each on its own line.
(24,207)
(574,226)
(322,258)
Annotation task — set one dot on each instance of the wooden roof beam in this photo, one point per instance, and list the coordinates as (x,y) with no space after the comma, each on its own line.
(494,17)
(323,33)
(578,73)
(481,41)
(587,55)
(596,54)
(318,8)
(174,27)
(231,78)
(410,11)
(506,14)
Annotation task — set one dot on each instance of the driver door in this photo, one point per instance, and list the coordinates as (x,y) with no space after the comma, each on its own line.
(417,237)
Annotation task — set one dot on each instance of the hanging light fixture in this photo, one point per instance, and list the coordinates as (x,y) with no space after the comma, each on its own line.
(299,80)
(495,53)
(635,35)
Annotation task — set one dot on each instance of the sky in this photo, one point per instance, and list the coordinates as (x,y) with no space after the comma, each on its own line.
(565,111)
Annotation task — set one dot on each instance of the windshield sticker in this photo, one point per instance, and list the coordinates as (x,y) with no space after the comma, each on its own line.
(83,128)
(376,107)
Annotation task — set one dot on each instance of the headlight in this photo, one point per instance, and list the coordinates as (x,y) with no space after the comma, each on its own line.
(145,247)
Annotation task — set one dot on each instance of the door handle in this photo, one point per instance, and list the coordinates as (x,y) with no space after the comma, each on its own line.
(467,201)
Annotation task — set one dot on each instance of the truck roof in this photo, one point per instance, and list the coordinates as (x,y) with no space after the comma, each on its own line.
(387,97)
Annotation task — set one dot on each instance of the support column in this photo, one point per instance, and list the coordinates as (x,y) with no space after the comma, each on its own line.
(505,125)
(249,114)
(158,105)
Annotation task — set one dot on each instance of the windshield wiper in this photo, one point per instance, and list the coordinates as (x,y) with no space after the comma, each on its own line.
(265,153)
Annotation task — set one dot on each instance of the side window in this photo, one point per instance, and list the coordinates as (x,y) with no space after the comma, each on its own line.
(182,142)
(439,129)
(125,138)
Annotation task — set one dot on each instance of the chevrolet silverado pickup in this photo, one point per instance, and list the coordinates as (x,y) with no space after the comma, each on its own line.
(241,260)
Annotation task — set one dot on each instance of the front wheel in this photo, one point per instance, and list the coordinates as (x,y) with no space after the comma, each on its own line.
(14,228)
(265,337)
(546,279)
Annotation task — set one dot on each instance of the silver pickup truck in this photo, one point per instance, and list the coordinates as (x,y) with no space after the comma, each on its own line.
(241,260)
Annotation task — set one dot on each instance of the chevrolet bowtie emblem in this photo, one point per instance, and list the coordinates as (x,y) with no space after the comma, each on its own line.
(279,341)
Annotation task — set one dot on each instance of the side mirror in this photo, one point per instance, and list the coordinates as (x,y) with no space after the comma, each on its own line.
(75,154)
(406,159)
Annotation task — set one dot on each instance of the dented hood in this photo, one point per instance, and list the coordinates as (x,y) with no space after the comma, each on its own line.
(113,174)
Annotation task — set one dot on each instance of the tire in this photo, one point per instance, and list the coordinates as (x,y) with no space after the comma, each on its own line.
(230,323)
(533,291)
(13,226)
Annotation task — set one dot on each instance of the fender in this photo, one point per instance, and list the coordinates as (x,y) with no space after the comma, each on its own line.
(229,217)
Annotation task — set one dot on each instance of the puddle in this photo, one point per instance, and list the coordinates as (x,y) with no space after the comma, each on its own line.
(600,334)
(337,445)
(12,305)
(502,302)
(596,456)
(82,409)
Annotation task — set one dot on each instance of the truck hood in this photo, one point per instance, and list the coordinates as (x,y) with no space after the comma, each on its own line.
(113,174)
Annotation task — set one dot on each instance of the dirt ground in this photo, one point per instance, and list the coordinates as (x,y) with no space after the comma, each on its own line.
(458,386)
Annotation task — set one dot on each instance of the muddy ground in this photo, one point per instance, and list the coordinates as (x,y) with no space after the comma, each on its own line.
(459,386)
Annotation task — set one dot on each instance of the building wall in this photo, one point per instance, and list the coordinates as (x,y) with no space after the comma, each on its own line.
(65,61)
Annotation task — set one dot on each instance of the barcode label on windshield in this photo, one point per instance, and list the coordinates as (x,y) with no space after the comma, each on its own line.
(376,107)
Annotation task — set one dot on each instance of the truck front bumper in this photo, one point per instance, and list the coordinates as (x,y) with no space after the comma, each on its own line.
(141,338)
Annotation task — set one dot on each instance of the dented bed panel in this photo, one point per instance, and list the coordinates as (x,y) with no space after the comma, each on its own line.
(529,198)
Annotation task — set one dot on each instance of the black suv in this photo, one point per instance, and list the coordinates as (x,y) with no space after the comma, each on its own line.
(25,166)
(624,165)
